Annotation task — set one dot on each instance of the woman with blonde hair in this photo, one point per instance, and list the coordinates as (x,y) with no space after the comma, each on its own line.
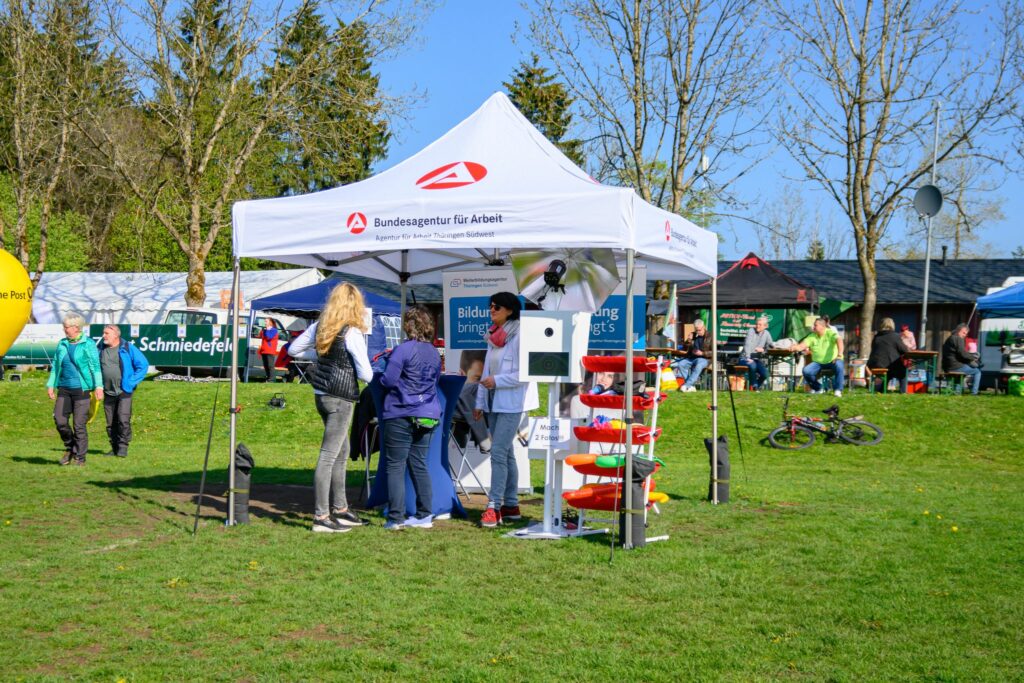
(74,374)
(337,344)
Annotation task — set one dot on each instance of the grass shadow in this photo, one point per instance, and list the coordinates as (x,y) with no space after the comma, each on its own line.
(281,503)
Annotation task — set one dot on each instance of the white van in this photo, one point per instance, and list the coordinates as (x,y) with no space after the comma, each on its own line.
(221,316)
(1001,345)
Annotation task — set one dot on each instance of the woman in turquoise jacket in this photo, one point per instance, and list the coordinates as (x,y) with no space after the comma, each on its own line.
(74,374)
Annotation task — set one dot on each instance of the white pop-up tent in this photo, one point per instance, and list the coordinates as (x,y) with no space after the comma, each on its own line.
(491,184)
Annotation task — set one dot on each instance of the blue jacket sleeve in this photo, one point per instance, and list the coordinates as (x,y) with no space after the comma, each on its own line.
(139,367)
(393,372)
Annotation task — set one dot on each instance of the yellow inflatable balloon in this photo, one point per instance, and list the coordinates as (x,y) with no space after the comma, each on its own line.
(15,300)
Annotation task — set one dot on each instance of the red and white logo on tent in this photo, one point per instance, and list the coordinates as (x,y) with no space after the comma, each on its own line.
(356,222)
(668,231)
(455,174)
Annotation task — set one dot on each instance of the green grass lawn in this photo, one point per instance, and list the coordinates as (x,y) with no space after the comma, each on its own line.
(898,562)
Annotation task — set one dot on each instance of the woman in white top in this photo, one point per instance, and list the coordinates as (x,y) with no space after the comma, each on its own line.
(502,398)
(337,344)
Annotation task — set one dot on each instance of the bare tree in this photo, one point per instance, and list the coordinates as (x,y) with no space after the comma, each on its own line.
(47,81)
(223,77)
(862,83)
(659,84)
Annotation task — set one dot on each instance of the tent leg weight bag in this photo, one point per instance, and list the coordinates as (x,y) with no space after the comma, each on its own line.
(723,469)
(243,481)
(642,469)
(637,520)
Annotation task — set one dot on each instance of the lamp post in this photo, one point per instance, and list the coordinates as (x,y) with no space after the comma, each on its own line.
(928,201)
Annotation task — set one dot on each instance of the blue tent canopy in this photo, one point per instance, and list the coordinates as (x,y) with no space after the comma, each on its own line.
(1006,303)
(307,302)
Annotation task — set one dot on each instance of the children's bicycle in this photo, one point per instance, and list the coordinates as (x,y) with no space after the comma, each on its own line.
(798,431)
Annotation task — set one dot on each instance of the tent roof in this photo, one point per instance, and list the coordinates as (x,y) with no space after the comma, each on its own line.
(1007,303)
(492,183)
(109,297)
(310,300)
(751,282)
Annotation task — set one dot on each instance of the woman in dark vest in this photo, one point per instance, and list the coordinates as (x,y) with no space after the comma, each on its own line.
(337,343)
(887,352)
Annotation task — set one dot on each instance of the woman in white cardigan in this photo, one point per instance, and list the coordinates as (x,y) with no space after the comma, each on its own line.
(502,398)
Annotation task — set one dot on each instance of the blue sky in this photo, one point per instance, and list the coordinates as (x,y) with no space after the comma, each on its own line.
(467,50)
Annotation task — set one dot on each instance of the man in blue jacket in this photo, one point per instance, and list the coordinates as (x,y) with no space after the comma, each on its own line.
(123,367)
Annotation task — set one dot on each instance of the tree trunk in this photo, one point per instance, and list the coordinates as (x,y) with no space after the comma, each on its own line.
(867,311)
(195,294)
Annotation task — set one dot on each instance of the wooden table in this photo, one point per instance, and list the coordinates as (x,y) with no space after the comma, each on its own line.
(927,359)
(665,351)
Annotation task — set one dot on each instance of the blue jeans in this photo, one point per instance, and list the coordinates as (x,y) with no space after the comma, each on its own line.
(504,471)
(688,369)
(811,371)
(756,371)
(974,374)
(407,444)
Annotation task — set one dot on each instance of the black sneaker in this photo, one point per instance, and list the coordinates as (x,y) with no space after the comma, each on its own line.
(348,519)
(329,526)
(66,460)
(122,452)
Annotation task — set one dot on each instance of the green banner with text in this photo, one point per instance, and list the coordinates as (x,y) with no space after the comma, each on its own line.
(197,346)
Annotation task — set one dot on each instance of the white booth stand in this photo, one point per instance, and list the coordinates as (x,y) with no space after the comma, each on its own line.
(491,184)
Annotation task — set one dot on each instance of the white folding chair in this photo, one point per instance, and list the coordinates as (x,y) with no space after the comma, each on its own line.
(464,464)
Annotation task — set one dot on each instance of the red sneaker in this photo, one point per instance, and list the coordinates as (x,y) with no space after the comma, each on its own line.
(490,518)
(510,512)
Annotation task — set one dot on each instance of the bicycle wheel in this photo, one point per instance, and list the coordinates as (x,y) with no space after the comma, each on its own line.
(860,433)
(789,439)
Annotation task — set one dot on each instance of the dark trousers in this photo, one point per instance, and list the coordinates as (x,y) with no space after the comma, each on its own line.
(268,364)
(73,403)
(407,444)
(118,411)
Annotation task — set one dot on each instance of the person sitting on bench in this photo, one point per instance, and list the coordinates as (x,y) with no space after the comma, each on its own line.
(757,340)
(955,357)
(887,352)
(689,368)
(826,348)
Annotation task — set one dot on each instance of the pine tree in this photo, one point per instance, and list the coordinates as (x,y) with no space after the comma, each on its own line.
(816,250)
(339,131)
(545,103)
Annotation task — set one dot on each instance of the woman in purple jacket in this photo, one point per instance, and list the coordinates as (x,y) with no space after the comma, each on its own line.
(411,412)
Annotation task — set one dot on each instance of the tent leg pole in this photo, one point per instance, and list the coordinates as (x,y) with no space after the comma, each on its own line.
(252,321)
(404,276)
(234,395)
(714,390)
(627,413)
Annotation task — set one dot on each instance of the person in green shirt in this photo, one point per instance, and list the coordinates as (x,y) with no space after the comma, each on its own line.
(826,349)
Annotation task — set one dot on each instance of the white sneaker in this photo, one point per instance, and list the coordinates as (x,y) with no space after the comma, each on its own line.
(837,393)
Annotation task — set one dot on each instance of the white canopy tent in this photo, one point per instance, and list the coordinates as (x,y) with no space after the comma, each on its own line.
(491,184)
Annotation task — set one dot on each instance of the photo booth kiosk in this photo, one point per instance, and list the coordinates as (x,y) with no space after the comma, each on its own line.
(551,348)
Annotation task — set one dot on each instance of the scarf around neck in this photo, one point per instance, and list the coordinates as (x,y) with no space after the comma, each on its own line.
(497,337)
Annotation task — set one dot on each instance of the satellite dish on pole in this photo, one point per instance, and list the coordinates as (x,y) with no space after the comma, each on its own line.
(928,201)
